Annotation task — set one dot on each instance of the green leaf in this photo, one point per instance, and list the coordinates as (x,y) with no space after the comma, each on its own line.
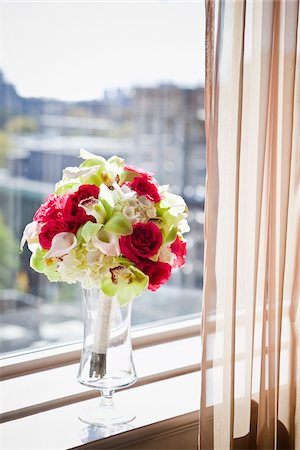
(171,235)
(89,229)
(93,163)
(108,209)
(160,211)
(107,200)
(119,224)
(172,219)
(92,179)
(100,212)
(79,235)
(37,260)
(65,188)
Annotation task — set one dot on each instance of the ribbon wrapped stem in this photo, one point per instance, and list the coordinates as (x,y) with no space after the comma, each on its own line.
(101,338)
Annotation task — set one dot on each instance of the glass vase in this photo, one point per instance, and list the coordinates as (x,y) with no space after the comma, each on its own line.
(106,360)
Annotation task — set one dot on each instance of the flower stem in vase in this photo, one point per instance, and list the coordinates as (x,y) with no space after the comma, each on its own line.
(101,338)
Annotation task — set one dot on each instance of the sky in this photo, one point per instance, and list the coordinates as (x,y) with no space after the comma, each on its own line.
(75,50)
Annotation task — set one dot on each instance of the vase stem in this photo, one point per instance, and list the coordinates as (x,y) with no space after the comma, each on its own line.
(107,398)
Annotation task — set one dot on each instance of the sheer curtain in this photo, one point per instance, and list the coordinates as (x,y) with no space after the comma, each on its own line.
(250,393)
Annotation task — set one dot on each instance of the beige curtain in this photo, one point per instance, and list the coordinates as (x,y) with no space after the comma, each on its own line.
(250,393)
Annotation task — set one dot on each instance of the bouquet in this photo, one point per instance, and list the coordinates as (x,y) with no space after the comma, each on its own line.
(109,226)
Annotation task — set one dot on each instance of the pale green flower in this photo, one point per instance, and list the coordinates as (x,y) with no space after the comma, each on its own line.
(107,171)
(124,283)
(40,264)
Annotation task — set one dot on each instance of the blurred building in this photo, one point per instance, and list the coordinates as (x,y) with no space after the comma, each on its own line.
(10,101)
(169,134)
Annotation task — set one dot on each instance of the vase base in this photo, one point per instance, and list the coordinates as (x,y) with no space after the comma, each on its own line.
(106,416)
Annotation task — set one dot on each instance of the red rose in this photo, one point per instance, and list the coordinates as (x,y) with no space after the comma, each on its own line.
(75,216)
(75,212)
(179,249)
(49,230)
(138,171)
(158,273)
(144,242)
(86,191)
(145,186)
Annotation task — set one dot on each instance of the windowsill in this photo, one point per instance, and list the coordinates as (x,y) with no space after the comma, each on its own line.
(36,406)
(26,394)
(160,407)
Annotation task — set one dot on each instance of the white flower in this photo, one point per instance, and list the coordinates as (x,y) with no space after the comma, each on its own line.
(146,209)
(84,154)
(30,234)
(106,242)
(151,212)
(183,226)
(130,213)
(174,202)
(122,193)
(71,173)
(94,256)
(165,255)
(162,189)
(62,244)
(69,268)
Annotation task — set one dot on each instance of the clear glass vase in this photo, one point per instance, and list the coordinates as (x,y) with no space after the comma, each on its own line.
(106,359)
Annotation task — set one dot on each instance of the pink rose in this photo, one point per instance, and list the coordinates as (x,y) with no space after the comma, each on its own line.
(158,272)
(144,242)
(138,171)
(143,185)
(51,208)
(178,247)
(58,214)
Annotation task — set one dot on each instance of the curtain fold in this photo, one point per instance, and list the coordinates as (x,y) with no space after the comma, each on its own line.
(250,317)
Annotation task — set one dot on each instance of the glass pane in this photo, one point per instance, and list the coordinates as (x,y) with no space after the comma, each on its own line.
(113,78)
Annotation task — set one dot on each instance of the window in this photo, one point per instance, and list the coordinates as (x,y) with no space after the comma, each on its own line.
(113,78)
